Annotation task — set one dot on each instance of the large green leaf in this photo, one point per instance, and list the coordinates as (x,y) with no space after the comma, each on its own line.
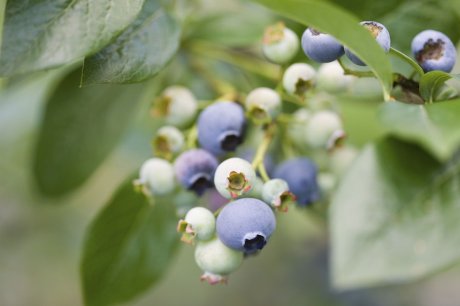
(345,27)
(128,247)
(80,127)
(395,216)
(46,33)
(140,52)
(433,126)
(431,82)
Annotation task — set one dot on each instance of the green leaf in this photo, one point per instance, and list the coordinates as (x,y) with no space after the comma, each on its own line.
(79,129)
(139,53)
(431,82)
(433,126)
(128,247)
(331,19)
(46,33)
(237,27)
(395,216)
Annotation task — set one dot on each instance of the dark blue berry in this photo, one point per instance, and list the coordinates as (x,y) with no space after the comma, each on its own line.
(221,127)
(300,174)
(195,169)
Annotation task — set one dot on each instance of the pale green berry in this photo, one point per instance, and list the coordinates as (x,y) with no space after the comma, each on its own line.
(199,223)
(331,77)
(168,140)
(276,193)
(178,105)
(256,190)
(326,182)
(234,177)
(296,127)
(157,177)
(263,104)
(341,158)
(216,260)
(280,44)
(324,130)
(298,78)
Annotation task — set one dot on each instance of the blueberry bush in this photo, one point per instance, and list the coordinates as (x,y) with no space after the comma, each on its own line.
(345,111)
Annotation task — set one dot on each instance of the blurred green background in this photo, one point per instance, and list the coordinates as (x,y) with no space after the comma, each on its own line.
(41,238)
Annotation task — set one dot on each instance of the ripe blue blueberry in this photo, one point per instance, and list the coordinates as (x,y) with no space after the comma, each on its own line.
(300,174)
(216,260)
(177,105)
(321,47)
(298,78)
(280,44)
(195,169)
(434,51)
(245,225)
(234,177)
(221,127)
(381,35)
(156,177)
(198,223)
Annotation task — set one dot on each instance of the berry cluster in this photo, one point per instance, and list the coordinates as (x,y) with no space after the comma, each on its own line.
(228,146)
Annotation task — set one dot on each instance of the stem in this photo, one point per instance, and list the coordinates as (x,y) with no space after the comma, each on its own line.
(263,172)
(359,74)
(408,60)
(192,137)
(262,150)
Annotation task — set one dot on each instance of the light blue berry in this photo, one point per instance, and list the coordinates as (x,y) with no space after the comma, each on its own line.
(156,176)
(234,177)
(301,176)
(321,47)
(195,169)
(221,127)
(381,35)
(216,260)
(245,225)
(434,51)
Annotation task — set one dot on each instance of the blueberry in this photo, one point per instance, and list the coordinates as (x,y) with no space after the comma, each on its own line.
(321,47)
(198,223)
(341,159)
(381,35)
(234,177)
(263,105)
(298,78)
(221,127)
(156,177)
(280,44)
(178,105)
(195,169)
(168,141)
(300,174)
(331,78)
(216,260)
(245,225)
(324,130)
(276,193)
(434,51)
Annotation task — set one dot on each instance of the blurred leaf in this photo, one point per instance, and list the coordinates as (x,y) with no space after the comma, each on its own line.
(80,127)
(433,126)
(431,82)
(412,17)
(369,10)
(331,19)
(395,216)
(45,33)
(128,247)
(233,28)
(139,53)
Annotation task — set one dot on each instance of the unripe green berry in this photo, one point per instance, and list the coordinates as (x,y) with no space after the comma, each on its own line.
(276,193)
(280,44)
(198,223)
(263,105)
(298,78)
(177,105)
(216,260)
(156,177)
(324,130)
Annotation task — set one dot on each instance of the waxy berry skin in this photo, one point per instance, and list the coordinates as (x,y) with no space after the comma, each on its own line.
(280,44)
(301,176)
(298,78)
(321,47)
(434,51)
(245,224)
(157,176)
(179,105)
(221,127)
(381,35)
(195,169)
(199,223)
(234,177)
